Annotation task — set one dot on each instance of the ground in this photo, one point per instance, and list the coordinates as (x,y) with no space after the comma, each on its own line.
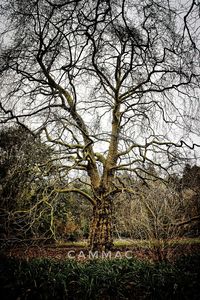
(151,250)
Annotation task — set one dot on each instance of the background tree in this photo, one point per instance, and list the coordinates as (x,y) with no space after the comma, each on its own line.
(190,190)
(30,210)
(24,163)
(107,82)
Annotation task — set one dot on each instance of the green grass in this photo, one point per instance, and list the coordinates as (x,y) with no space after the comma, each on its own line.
(45,279)
(149,243)
(185,241)
(131,243)
(77,244)
(134,243)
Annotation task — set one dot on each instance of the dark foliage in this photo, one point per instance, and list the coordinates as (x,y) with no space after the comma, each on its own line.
(107,279)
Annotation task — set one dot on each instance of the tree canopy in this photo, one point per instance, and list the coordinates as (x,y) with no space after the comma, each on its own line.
(112,84)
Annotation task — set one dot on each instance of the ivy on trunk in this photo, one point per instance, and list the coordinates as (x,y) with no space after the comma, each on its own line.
(100,237)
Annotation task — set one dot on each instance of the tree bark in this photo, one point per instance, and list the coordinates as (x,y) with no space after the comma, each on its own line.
(100,238)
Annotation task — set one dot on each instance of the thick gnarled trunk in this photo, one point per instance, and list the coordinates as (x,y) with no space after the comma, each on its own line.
(101,225)
(100,238)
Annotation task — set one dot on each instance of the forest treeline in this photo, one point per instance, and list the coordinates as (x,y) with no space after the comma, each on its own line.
(31,208)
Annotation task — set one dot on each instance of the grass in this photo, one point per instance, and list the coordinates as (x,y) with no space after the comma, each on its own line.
(81,244)
(185,241)
(131,243)
(154,242)
(108,279)
(134,243)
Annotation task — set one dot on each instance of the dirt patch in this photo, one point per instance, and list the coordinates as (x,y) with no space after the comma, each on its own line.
(82,253)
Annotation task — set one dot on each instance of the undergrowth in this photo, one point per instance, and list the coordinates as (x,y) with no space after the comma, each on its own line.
(99,279)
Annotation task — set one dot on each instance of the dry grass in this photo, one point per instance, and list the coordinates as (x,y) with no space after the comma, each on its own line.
(135,243)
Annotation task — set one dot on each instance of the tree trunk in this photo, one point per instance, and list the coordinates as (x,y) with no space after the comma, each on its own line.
(101,226)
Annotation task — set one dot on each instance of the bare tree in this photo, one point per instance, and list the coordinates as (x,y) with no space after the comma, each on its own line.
(153,212)
(108,82)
